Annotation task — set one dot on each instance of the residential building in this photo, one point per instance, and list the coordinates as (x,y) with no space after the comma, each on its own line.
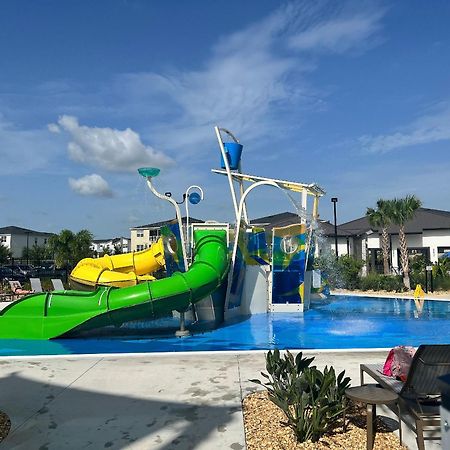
(143,236)
(17,238)
(428,233)
(99,245)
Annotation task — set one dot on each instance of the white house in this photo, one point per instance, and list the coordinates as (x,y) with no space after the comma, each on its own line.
(17,238)
(99,245)
(428,233)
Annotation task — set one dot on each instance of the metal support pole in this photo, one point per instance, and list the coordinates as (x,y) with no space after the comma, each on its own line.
(182,332)
(334,201)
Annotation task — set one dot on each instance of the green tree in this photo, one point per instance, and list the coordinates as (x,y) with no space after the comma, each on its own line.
(403,210)
(37,253)
(381,218)
(68,248)
(106,251)
(118,249)
(5,254)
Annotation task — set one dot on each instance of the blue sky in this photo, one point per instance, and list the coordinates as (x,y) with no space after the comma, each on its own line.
(352,95)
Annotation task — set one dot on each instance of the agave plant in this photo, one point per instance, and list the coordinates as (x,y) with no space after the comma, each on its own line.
(311,400)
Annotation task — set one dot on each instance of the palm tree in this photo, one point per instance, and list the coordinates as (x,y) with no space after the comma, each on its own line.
(402,210)
(69,247)
(380,218)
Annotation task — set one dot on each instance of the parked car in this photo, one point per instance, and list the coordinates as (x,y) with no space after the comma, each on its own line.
(12,274)
(26,270)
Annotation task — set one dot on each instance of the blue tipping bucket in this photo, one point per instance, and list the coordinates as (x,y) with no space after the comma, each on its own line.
(233,152)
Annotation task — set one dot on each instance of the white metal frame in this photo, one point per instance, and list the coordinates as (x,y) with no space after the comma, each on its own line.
(240,209)
(178,213)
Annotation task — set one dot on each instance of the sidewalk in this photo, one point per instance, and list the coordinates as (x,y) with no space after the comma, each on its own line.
(153,401)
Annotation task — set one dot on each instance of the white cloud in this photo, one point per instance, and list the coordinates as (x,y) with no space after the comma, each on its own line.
(339,35)
(255,77)
(425,130)
(25,150)
(110,149)
(91,185)
(53,128)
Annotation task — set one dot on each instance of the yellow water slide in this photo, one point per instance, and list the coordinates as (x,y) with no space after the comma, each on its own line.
(123,270)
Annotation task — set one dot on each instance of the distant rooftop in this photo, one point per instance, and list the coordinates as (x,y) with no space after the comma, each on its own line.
(165,222)
(19,230)
(289,218)
(424,219)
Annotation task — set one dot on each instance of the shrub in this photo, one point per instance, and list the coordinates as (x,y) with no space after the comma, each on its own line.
(377,282)
(349,268)
(312,400)
(442,283)
(370,282)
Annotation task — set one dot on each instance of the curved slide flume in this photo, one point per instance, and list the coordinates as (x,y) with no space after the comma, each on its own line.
(50,315)
(123,270)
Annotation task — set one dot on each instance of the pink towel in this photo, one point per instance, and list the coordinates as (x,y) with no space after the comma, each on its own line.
(398,362)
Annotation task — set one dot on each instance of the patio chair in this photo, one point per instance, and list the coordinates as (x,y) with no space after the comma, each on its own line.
(57,284)
(419,395)
(17,289)
(36,284)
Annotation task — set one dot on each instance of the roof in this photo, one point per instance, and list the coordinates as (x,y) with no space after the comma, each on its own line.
(19,230)
(289,218)
(165,222)
(424,219)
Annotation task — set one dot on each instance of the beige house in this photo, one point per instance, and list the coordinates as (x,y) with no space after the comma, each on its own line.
(144,236)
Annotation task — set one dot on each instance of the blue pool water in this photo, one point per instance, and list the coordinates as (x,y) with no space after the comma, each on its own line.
(339,322)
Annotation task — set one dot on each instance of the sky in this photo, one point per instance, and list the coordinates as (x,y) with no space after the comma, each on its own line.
(354,96)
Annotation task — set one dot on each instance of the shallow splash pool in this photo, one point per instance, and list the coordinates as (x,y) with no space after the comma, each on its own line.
(339,322)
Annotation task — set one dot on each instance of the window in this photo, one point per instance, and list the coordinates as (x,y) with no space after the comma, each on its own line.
(35,241)
(139,247)
(2,238)
(140,233)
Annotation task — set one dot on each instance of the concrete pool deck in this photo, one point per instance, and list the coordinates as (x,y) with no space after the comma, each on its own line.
(147,401)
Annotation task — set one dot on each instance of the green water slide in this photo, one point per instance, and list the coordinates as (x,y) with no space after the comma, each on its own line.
(53,314)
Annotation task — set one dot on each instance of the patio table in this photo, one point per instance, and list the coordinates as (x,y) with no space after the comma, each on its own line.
(373,395)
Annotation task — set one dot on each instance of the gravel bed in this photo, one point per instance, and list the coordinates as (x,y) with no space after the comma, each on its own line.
(5,425)
(263,429)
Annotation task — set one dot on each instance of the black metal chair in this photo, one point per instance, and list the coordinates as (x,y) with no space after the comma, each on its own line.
(419,395)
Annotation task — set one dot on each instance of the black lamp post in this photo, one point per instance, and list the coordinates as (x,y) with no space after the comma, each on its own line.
(28,247)
(334,201)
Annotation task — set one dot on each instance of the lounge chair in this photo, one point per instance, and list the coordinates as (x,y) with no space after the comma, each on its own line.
(57,284)
(420,394)
(18,290)
(36,284)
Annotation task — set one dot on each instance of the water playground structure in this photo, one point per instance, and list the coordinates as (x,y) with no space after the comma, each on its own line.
(212,271)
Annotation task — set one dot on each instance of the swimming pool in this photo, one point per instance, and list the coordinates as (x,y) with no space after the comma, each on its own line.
(338,322)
